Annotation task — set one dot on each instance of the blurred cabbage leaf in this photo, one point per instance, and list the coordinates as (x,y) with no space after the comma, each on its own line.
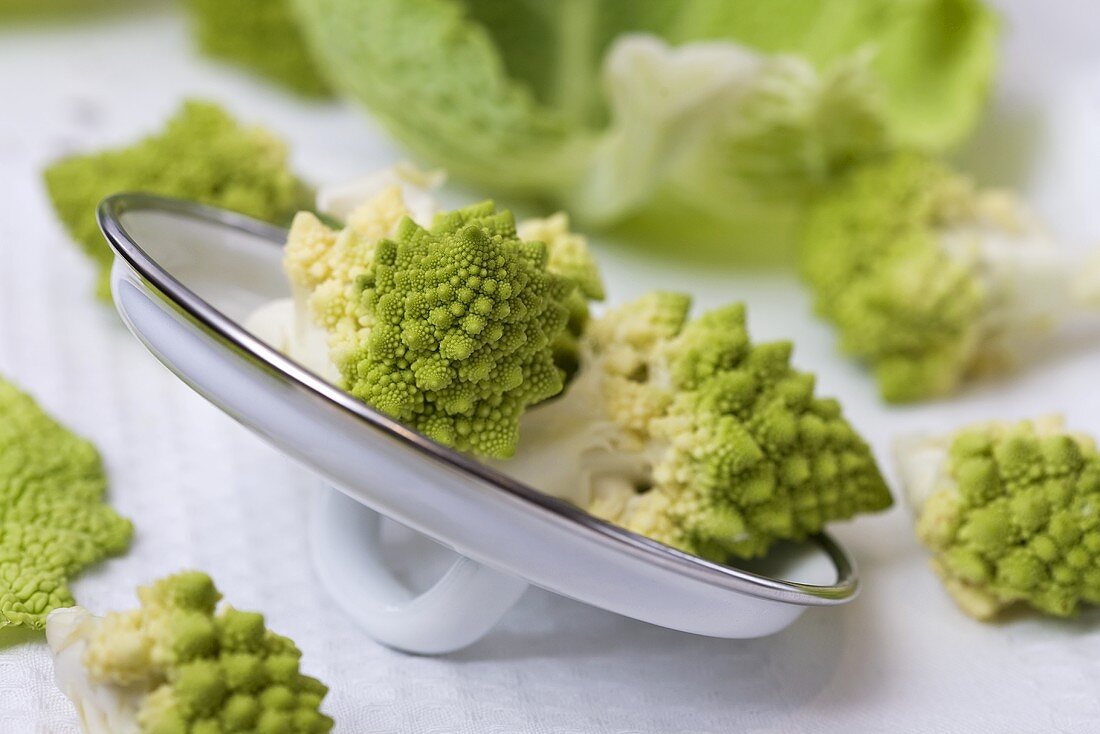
(261,36)
(699,124)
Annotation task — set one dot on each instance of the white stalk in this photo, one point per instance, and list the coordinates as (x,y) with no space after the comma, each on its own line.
(1033,282)
(921,461)
(102,708)
(569,448)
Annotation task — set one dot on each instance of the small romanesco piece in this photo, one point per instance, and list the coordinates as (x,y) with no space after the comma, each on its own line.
(464,317)
(260,35)
(203,155)
(930,280)
(453,327)
(1010,513)
(686,432)
(53,521)
(175,666)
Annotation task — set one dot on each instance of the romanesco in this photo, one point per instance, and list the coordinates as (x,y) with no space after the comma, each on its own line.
(260,35)
(680,430)
(53,521)
(454,329)
(1010,512)
(464,316)
(324,265)
(203,154)
(930,280)
(684,431)
(174,666)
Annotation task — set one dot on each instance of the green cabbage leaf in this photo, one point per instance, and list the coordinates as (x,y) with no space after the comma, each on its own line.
(705,121)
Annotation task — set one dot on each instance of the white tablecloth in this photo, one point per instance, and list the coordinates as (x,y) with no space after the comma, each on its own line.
(205,493)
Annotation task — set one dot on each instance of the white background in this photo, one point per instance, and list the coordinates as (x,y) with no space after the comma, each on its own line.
(204,493)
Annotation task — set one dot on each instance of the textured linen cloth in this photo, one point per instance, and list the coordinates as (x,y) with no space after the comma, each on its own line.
(205,493)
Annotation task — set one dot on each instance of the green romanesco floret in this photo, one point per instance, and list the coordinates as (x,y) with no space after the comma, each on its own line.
(176,665)
(930,280)
(454,328)
(465,314)
(203,154)
(53,521)
(685,431)
(1010,513)
(260,35)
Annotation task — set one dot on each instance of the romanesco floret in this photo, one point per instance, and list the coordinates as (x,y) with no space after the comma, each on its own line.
(1010,513)
(260,35)
(176,666)
(930,280)
(203,154)
(454,328)
(684,431)
(464,316)
(53,521)
(325,267)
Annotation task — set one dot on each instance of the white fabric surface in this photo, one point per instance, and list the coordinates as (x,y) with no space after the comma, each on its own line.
(205,493)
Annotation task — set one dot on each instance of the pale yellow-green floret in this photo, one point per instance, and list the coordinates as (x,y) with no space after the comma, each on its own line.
(569,252)
(324,266)
(929,279)
(203,154)
(699,438)
(571,257)
(1010,513)
(178,665)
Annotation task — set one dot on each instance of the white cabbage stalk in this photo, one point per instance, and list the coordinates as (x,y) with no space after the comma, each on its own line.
(714,116)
